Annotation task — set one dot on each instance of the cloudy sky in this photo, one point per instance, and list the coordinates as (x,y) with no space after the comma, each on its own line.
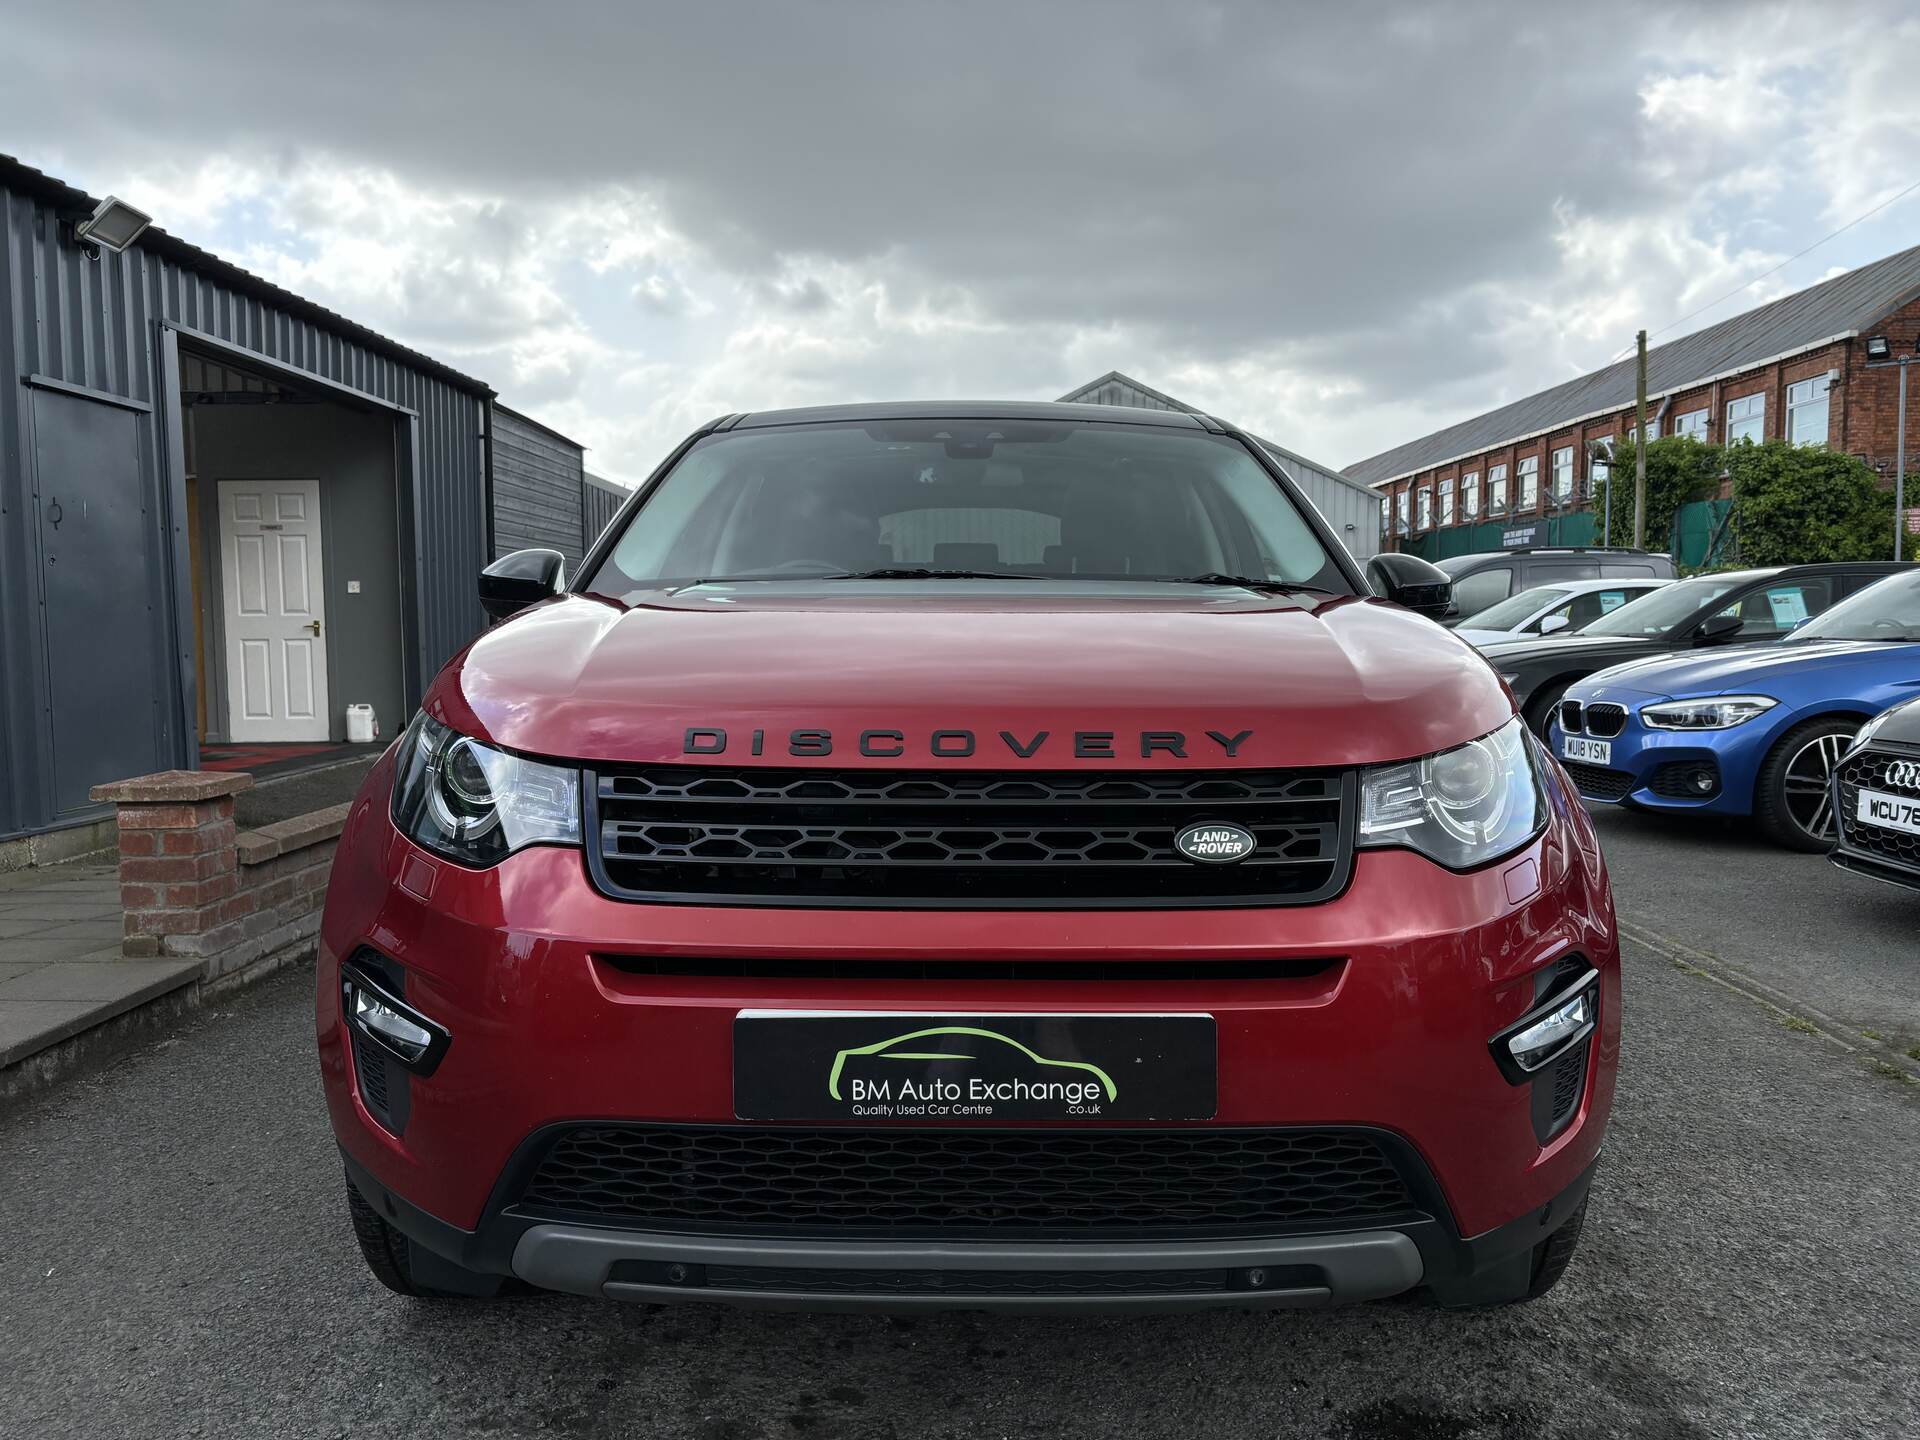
(1341,225)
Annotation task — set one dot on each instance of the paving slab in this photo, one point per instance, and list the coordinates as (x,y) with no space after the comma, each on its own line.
(55,1002)
(70,940)
(107,981)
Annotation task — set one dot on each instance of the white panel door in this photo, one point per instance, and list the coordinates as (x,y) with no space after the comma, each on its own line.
(275,610)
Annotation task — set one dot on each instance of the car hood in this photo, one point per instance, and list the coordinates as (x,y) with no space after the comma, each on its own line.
(700,672)
(1786,670)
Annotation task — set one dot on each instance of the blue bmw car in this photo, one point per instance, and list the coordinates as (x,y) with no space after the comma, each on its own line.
(1754,730)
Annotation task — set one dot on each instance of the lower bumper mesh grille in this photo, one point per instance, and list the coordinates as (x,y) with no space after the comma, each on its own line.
(1029,1182)
(1597,782)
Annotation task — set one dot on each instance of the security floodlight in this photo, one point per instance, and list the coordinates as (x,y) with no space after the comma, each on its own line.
(114,225)
(1878,348)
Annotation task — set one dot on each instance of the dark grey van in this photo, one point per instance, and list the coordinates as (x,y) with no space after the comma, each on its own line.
(1490,577)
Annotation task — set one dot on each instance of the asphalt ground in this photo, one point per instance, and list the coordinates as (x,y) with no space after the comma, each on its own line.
(176,1258)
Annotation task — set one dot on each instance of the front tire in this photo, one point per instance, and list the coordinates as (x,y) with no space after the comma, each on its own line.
(406,1269)
(1793,799)
(1543,702)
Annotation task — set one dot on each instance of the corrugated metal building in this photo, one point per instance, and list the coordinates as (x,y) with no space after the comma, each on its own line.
(600,501)
(1350,508)
(225,512)
(539,482)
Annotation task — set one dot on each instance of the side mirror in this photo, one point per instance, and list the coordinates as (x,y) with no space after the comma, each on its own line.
(526,577)
(1551,623)
(1410,581)
(1717,630)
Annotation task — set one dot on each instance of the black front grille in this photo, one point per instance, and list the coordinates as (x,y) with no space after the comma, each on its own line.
(1027,1182)
(694,834)
(1597,782)
(1871,770)
(1604,721)
(1572,716)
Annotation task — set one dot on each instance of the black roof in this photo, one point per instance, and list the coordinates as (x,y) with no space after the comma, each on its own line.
(968,410)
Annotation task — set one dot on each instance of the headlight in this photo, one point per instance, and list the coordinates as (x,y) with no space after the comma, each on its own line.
(1872,728)
(1462,807)
(1720,712)
(477,805)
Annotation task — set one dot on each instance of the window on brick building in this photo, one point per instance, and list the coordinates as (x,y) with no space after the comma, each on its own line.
(1470,495)
(1807,411)
(1693,423)
(1423,509)
(1563,475)
(1653,429)
(1528,474)
(1446,502)
(1386,514)
(1747,419)
(1400,511)
(1497,490)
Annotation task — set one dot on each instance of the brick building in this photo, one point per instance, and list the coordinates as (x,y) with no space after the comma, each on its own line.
(1791,369)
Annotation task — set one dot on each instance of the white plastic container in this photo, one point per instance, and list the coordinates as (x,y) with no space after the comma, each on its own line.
(363,727)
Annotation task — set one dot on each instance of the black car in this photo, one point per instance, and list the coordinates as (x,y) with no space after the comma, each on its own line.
(1735,607)
(1876,799)
(1483,580)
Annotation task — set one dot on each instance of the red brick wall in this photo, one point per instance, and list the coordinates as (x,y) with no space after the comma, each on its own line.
(1861,419)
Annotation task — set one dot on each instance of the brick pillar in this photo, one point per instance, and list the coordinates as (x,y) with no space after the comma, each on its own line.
(178,870)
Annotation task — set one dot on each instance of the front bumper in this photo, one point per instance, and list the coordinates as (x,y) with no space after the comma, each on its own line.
(1390,1034)
(1878,853)
(1653,769)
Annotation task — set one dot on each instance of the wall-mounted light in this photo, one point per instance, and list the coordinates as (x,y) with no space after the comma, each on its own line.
(1878,348)
(114,225)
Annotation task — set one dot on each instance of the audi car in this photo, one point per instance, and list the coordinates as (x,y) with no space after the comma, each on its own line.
(1876,799)
(984,856)
(1756,730)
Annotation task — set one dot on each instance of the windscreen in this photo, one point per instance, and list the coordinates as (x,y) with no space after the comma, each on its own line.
(1658,611)
(1046,500)
(1518,608)
(1888,610)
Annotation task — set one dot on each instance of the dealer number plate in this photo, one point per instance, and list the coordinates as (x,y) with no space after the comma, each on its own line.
(1579,747)
(1889,812)
(878,1067)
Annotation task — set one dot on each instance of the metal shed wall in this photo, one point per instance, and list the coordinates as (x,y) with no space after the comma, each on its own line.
(538,476)
(106,328)
(600,501)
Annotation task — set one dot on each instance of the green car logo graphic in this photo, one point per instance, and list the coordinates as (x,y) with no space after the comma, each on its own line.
(882,1049)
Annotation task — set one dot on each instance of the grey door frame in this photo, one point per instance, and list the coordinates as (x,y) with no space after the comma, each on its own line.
(406,498)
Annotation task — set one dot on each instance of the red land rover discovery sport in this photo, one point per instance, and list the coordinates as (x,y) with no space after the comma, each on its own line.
(969,855)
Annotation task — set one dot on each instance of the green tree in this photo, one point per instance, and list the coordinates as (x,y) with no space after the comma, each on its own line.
(1680,470)
(1795,504)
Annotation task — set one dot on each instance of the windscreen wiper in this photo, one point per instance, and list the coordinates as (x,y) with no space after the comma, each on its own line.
(887,572)
(920,572)
(1245,582)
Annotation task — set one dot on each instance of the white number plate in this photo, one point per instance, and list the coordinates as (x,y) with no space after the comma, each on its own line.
(1890,812)
(1579,747)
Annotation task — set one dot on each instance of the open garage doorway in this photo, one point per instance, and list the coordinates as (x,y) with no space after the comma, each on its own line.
(295,516)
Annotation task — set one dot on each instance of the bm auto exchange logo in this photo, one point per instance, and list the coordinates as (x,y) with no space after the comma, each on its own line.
(896,1076)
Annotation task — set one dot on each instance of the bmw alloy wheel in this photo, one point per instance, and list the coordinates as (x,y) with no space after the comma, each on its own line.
(1809,791)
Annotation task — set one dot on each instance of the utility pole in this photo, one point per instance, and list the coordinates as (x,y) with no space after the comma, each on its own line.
(1879,357)
(1640,450)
